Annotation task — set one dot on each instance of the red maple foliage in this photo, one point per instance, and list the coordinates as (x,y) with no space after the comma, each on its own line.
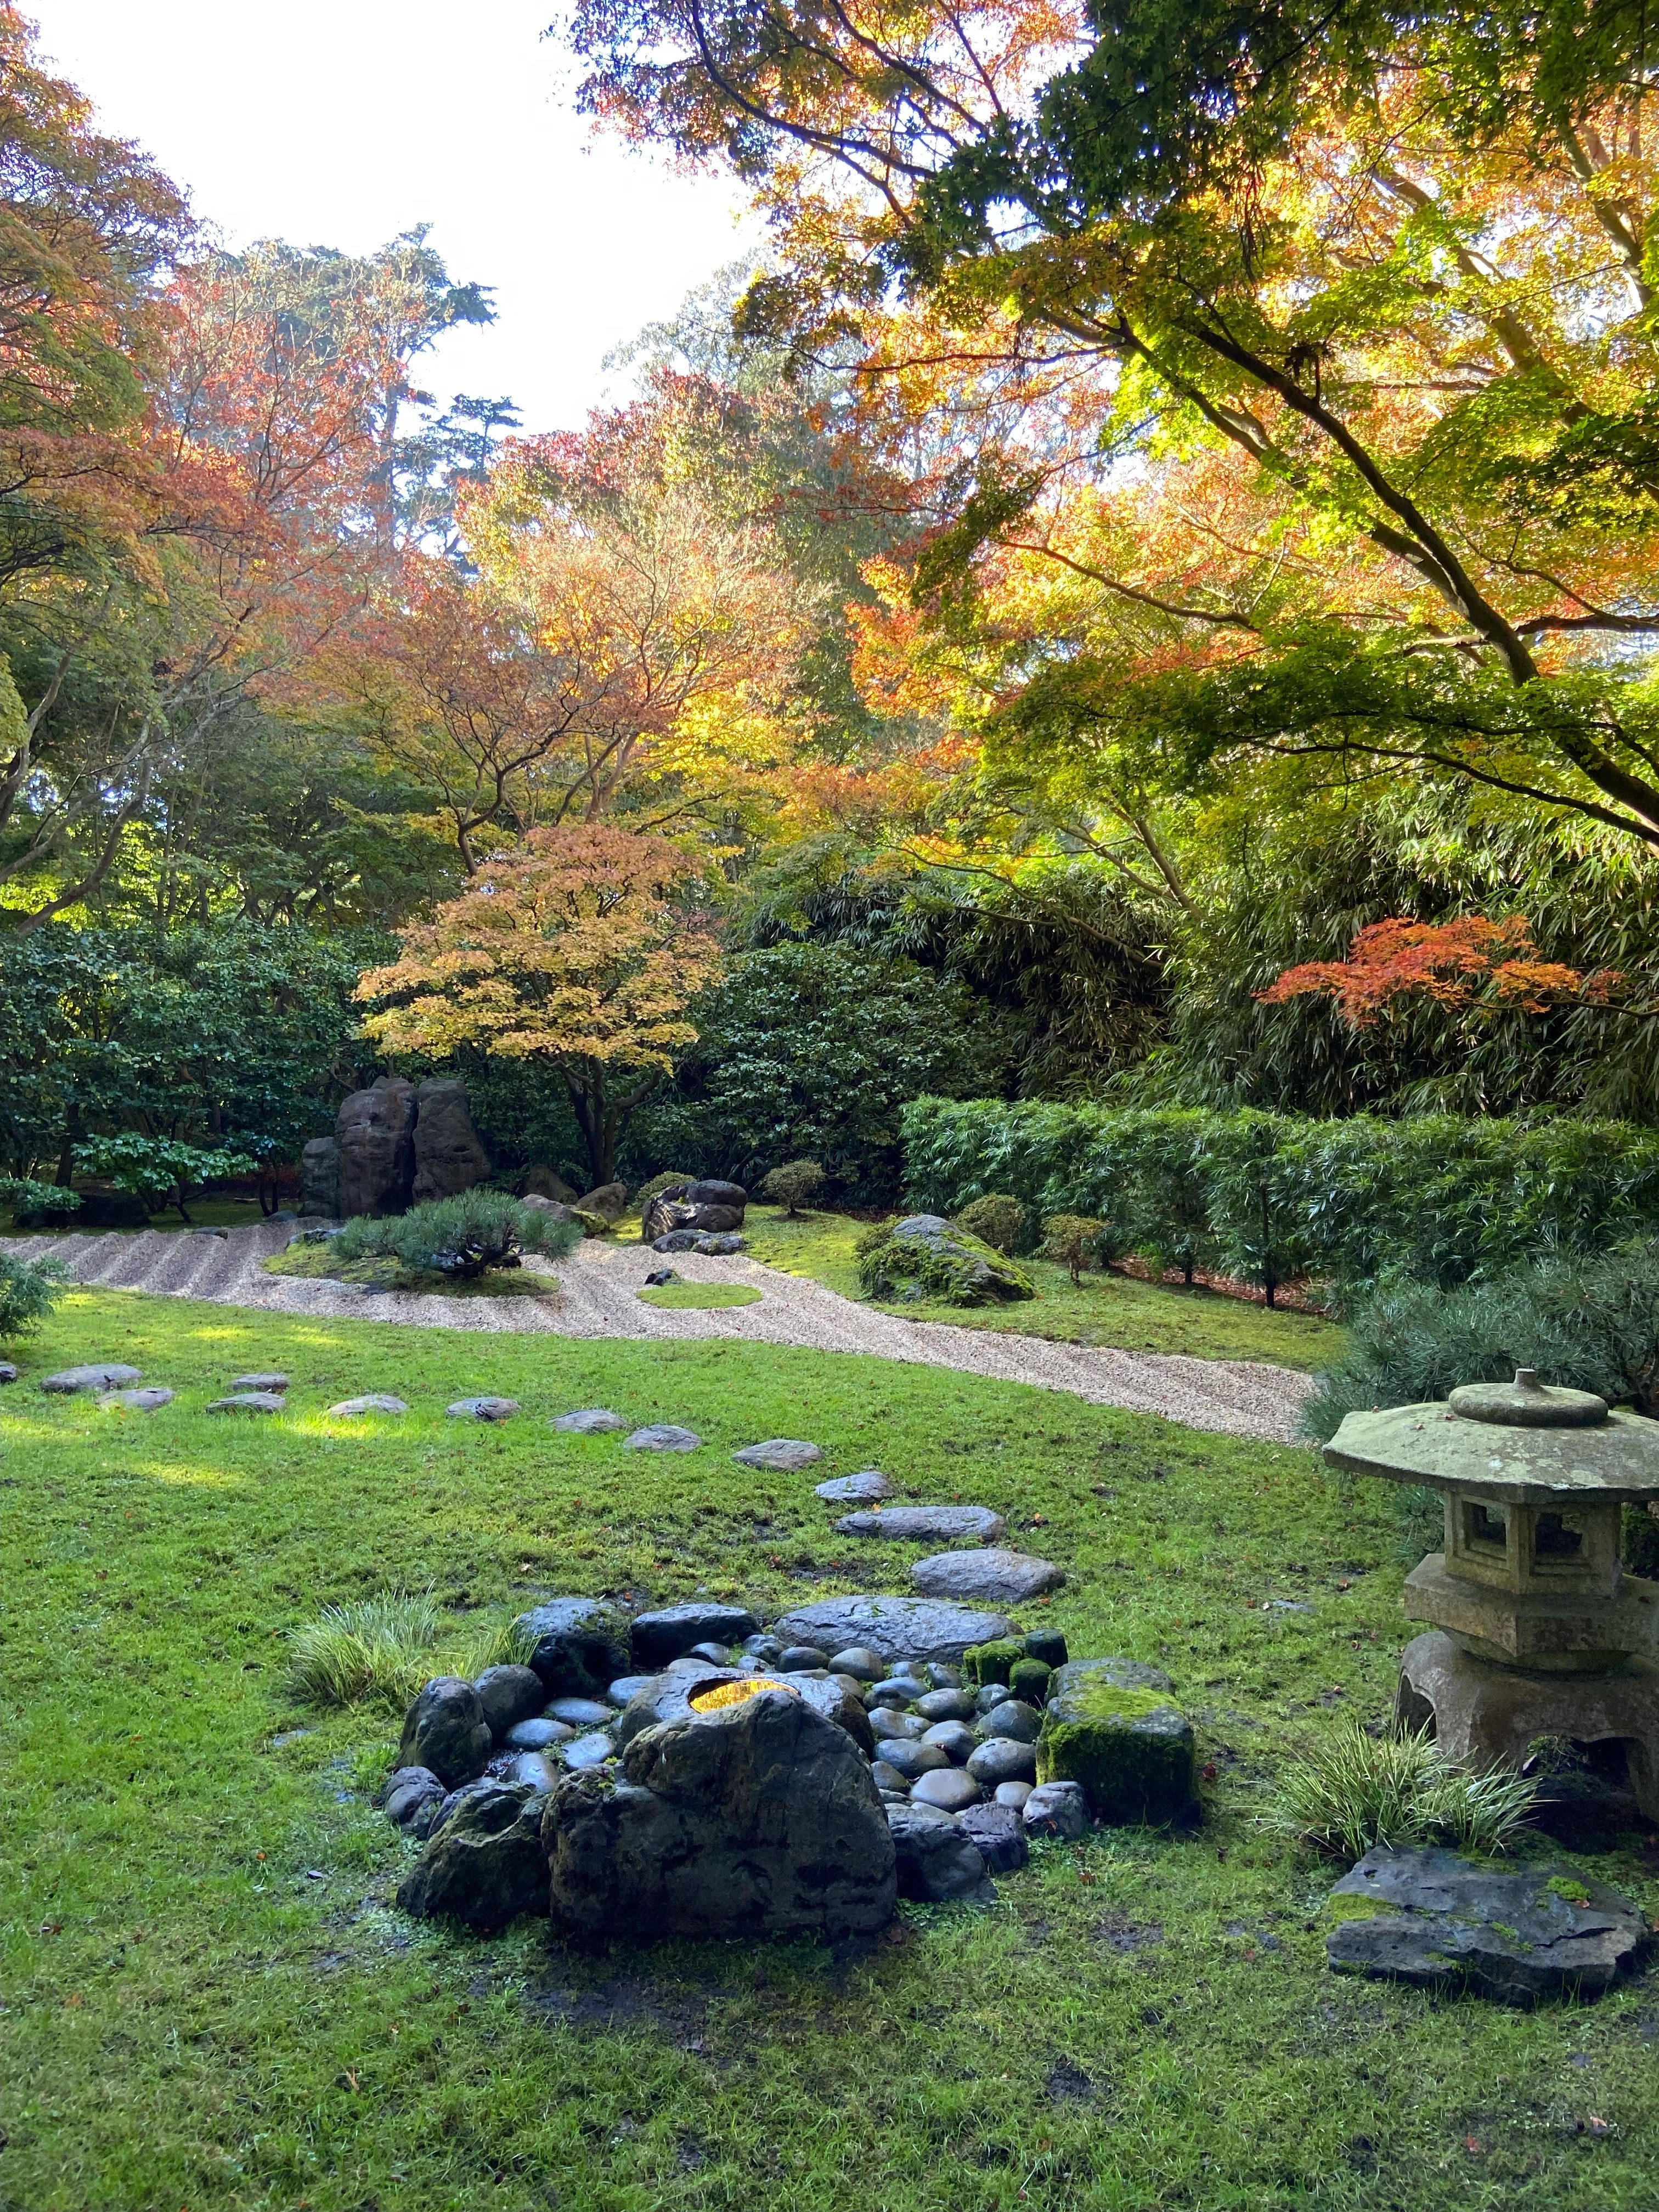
(1474,964)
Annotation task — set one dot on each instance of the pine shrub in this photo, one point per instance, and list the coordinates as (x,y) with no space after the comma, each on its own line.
(464,1236)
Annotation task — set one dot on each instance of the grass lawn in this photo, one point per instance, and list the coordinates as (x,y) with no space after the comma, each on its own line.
(1103,1309)
(212,2004)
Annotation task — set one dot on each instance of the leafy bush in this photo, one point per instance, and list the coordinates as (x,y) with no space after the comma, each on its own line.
(1584,1324)
(29,1289)
(463,1236)
(1354,1792)
(158,1170)
(367,1652)
(998,1218)
(794,1185)
(1272,1198)
(25,1195)
(1074,1240)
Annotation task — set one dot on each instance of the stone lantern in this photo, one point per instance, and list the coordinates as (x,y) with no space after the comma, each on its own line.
(1537,1630)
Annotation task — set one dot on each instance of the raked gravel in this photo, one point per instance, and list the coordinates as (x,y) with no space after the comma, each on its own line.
(593,1293)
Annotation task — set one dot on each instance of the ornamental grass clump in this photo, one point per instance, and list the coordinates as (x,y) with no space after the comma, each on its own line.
(370,1651)
(1355,1793)
(465,1236)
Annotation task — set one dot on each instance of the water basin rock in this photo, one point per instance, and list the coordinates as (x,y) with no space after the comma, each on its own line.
(1058,1809)
(867,1487)
(783,1454)
(997,1576)
(664,1635)
(579,1645)
(1444,1922)
(937,1861)
(377,1401)
(663,1436)
(484,1864)
(760,1818)
(508,1695)
(1112,1725)
(999,1833)
(898,1628)
(589,1421)
(483,1409)
(927,1524)
(109,1375)
(667,1697)
(444,1729)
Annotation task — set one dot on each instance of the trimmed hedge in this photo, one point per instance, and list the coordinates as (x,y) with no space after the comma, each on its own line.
(1277,1198)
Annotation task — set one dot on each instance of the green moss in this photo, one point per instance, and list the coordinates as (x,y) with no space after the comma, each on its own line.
(1342,1909)
(992,1662)
(1100,1700)
(698,1297)
(1029,1679)
(949,1265)
(1563,1886)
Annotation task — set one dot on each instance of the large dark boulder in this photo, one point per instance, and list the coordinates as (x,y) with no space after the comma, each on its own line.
(102,1207)
(936,1861)
(667,1697)
(375,1133)
(449,1155)
(660,1637)
(759,1819)
(708,1207)
(444,1729)
(925,1256)
(320,1180)
(483,1863)
(582,1645)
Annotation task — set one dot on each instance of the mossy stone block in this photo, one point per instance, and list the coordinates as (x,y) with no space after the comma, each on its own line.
(1048,1644)
(992,1662)
(1030,1679)
(1111,1725)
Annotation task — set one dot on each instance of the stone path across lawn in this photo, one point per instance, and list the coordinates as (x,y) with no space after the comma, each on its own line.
(593,1295)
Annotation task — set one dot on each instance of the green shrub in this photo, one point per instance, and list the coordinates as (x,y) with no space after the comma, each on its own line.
(794,1185)
(1355,1792)
(997,1219)
(1074,1242)
(647,1191)
(463,1236)
(370,1651)
(24,1195)
(29,1289)
(1443,1199)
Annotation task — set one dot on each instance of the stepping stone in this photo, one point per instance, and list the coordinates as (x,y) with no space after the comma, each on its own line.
(897,1628)
(675,1630)
(8,1372)
(1447,1923)
(949,1789)
(784,1455)
(589,1421)
(378,1401)
(69,1381)
(663,1436)
(258,1382)
(148,1401)
(927,1524)
(999,1577)
(867,1488)
(250,1401)
(483,1409)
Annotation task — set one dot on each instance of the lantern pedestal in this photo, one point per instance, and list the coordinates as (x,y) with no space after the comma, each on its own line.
(1485,1713)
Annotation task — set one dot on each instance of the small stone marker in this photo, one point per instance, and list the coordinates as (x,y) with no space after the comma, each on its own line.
(783,1454)
(250,1401)
(1000,1578)
(1111,1726)
(663,1436)
(258,1382)
(69,1381)
(867,1487)
(378,1401)
(483,1409)
(1448,1922)
(927,1524)
(589,1421)
(148,1400)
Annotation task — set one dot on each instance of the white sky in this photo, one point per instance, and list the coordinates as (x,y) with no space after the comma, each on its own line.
(343,122)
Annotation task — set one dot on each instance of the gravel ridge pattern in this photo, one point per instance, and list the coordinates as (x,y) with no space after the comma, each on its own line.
(592,1293)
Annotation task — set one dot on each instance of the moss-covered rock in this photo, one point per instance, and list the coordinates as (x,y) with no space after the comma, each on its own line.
(925,1256)
(1111,1725)
(1030,1679)
(992,1662)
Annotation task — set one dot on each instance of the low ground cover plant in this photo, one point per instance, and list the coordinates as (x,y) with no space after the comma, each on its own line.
(1355,1790)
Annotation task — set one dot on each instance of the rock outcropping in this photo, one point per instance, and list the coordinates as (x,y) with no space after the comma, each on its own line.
(376,1139)
(449,1157)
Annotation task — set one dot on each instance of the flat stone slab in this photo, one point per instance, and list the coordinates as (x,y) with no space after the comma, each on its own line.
(676,1630)
(784,1455)
(997,1576)
(378,1401)
(927,1524)
(866,1488)
(148,1401)
(895,1627)
(272,1382)
(483,1409)
(589,1421)
(663,1436)
(1447,1921)
(109,1376)
(249,1401)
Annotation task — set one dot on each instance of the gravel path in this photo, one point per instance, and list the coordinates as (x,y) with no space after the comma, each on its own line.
(592,1294)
